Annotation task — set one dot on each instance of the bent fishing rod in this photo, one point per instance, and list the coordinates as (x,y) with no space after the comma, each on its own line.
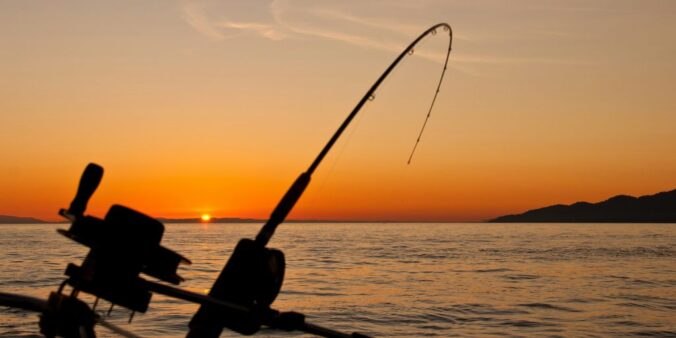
(296,190)
(126,243)
(251,262)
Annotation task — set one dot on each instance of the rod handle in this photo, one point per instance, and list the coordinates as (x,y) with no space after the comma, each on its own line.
(89,181)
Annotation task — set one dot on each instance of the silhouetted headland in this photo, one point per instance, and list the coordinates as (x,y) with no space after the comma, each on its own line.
(4,219)
(658,208)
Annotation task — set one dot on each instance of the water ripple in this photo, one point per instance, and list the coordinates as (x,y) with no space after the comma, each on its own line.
(406,280)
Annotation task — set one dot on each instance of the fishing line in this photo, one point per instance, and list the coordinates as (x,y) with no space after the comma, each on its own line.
(341,150)
(370,94)
(434,99)
(372,98)
(298,187)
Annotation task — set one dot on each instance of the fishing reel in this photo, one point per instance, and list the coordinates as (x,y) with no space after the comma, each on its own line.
(252,277)
(124,244)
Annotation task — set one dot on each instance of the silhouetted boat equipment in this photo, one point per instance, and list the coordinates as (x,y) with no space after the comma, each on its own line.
(251,262)
(126,243)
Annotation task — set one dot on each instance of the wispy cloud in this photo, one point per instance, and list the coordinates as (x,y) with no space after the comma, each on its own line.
(378,23)
(495,60)
(264,30)
(304,28)
(283,26)
(286,19)
(194,15)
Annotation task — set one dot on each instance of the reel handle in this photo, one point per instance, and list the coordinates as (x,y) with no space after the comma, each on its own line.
(89,181)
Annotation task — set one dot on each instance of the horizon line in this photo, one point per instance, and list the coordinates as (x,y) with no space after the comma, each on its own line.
(224,220)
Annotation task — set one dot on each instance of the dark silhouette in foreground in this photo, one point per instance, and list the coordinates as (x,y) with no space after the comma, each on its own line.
(658,208)
(127,243)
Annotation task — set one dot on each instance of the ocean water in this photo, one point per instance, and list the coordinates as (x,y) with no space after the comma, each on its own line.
(404,280)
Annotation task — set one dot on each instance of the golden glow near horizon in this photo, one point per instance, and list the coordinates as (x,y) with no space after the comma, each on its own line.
(205,218)
(544,102)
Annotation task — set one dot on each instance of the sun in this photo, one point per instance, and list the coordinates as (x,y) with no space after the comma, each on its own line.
(206,217)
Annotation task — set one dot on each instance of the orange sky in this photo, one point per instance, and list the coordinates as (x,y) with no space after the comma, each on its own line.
(212,107)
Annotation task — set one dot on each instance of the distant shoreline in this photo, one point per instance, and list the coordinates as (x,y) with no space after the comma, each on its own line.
(216,220)
(30,220)
(657,208)
(260,222)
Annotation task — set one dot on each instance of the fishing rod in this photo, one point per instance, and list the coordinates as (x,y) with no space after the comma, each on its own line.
(126,243)
(82,318)
(254,274)
(296,190)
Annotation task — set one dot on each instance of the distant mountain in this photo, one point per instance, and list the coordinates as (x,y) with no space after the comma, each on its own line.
(4,219)
(658,208)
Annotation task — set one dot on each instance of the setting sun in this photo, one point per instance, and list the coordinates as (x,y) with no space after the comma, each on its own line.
(206,218)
